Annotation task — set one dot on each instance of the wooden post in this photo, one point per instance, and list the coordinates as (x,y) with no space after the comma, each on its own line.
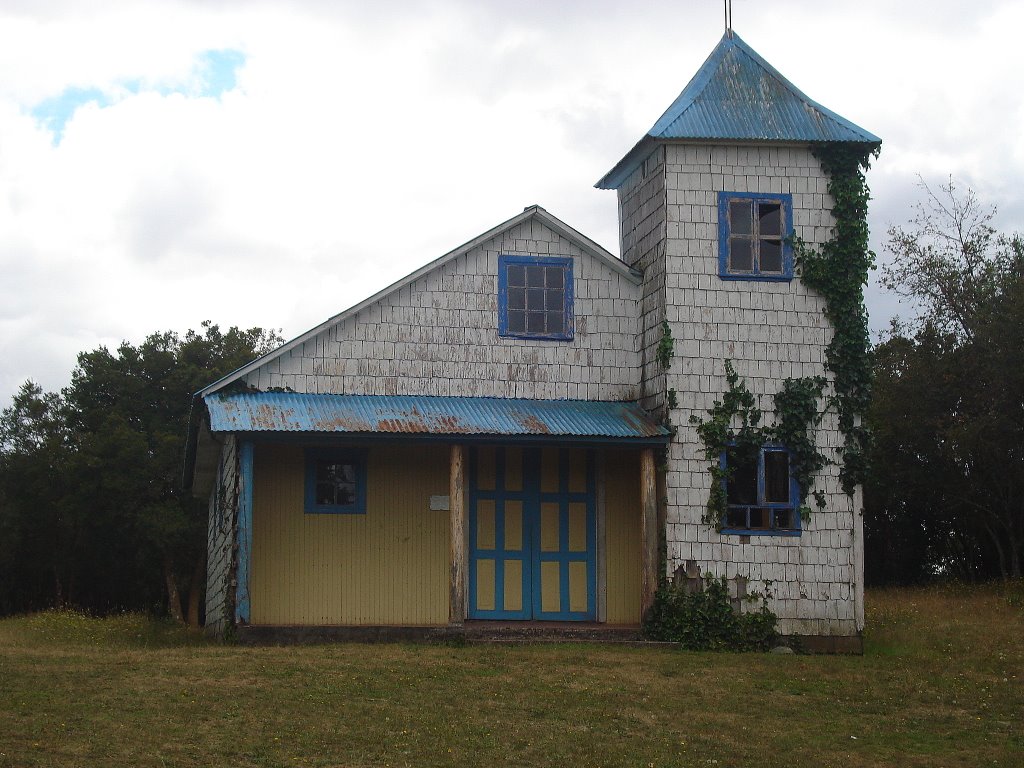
(602,533)
(648,530)
(457,516)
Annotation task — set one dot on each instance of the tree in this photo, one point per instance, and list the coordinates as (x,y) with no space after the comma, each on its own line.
(118,432)
(948,482)
(39,530)
(951,262)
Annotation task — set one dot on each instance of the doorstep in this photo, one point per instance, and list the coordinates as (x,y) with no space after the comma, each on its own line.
(489,632)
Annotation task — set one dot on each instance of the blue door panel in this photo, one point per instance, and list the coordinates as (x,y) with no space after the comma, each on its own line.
(530,556)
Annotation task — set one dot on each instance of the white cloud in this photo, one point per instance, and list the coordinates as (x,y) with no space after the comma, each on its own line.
(359,141)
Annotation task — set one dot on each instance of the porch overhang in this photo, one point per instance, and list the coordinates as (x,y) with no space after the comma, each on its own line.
(416,417)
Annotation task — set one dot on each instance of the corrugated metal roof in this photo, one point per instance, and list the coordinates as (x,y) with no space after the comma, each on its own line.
(738,96)
(374,414)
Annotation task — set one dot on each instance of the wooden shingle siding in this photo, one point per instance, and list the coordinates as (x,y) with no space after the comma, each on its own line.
(642,212)
(770,331)
(389,566)
(439,336)
(223,508)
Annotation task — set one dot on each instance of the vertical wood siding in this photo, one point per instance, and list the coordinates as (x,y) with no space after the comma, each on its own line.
(622,536)
(389,566)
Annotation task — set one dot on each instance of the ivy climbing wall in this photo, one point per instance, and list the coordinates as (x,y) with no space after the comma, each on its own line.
(770,331)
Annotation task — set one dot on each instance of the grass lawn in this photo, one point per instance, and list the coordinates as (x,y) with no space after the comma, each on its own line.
(941,684)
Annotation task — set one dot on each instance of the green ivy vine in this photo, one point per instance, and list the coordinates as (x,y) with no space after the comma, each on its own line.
(704,620)
(839,271)
(796,417)
(666,345)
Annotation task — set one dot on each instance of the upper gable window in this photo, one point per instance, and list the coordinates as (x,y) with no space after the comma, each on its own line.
(752,232)
(535,297)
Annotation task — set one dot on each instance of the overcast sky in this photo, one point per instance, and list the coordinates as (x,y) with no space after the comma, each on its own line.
(272,163)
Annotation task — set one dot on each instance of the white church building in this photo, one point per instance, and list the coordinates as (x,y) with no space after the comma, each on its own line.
(504,436)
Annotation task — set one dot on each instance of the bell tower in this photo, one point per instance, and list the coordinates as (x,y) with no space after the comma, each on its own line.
(708,199)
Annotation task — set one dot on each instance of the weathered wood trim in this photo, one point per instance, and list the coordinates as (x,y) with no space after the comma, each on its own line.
(648,529)
(602,533)
(858,558)
(244,533)
(457,515)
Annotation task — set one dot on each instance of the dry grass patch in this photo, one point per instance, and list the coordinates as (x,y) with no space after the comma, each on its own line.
(940,685)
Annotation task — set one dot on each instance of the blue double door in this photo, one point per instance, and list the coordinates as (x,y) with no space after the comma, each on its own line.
(533,534)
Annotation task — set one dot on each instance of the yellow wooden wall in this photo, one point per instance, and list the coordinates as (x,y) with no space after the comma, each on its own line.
(622,535)
(389,566)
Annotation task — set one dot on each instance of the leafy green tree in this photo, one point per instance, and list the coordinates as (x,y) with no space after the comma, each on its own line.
(39,529)
(951,262)
(101,465)
(947,489)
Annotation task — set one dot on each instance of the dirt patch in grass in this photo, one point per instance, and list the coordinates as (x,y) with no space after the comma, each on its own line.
(939,685)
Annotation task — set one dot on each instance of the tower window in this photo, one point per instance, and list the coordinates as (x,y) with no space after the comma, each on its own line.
(752,232)
(762,496)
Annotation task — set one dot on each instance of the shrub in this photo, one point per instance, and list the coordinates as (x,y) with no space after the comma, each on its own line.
(704,620)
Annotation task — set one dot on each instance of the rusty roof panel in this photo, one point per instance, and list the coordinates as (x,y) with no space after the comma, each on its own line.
(378,414)
(738,96)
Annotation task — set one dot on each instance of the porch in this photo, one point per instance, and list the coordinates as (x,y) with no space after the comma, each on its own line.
(388,531)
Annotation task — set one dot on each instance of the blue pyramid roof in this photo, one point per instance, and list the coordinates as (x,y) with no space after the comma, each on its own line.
(738,96)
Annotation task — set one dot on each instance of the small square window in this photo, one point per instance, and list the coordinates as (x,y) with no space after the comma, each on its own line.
(752,232)
(535,297)
(761,495)
(335,481)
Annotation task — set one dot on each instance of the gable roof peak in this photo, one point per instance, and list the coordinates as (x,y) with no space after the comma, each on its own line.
(552,222)
(738,96)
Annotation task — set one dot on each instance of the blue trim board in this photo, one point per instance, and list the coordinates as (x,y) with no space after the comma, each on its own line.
(244,531)
(786,200)
(563,497)
(327,439)
(500,495)
(507,260)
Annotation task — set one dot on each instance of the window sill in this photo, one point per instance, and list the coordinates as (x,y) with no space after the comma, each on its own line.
(757,278)
(334,511)
(536,336)
(756,532)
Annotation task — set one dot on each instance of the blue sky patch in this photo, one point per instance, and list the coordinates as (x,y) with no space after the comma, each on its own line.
(218,71)
(54,112)
(214,73)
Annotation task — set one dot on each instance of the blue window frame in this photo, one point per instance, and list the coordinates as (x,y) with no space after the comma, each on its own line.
(761,494)
(335,481)
(535,297)
(753,232)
